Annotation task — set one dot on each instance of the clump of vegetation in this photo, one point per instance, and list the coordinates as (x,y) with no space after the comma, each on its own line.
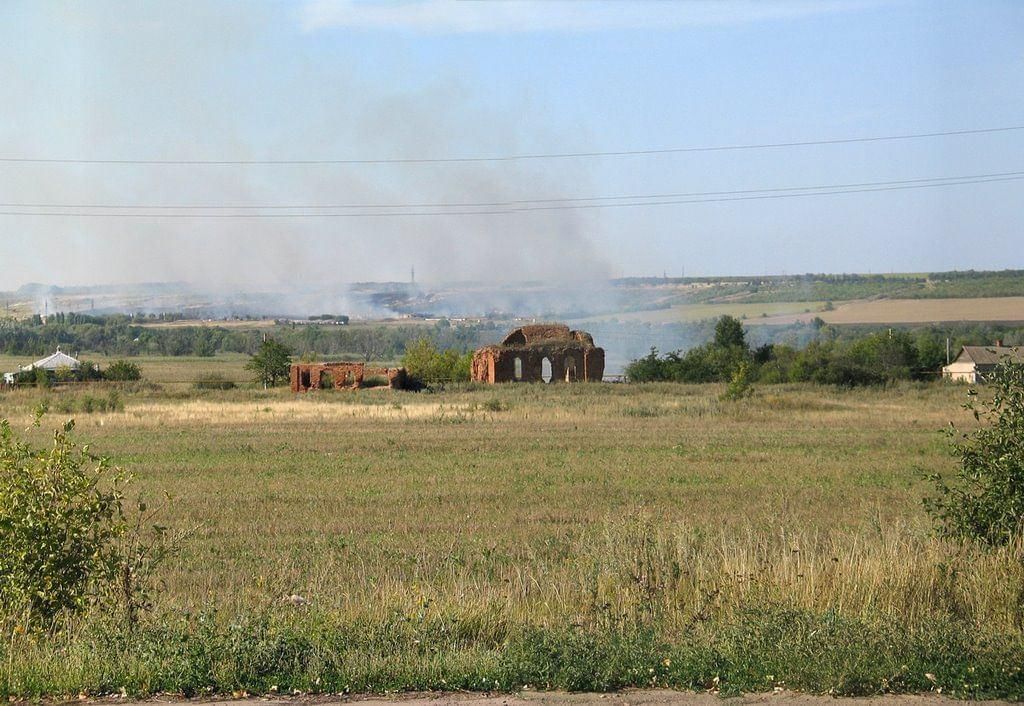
(375,381)
(213,381)
(985,502)
(271,363)
(429,366)
(873,359)
(714,362)
(87,403)
(122,371)
(740,385)
(496,404)
(67,539)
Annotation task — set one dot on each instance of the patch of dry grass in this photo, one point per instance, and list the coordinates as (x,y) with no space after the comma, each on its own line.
(557,506)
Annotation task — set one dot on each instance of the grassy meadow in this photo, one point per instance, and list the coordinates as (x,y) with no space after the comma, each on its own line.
(593,536)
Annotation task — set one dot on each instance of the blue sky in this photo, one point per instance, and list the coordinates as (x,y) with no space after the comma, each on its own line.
(340,79)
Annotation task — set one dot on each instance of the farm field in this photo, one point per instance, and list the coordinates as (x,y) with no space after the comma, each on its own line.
(885,311)
(698,312)
(874,311)
(174,372)
(580,537)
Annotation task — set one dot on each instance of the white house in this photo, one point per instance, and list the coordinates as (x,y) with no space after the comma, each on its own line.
(51,362)
(975,362)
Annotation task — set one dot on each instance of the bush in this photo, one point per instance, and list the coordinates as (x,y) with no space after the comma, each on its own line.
(986,502)
(42,378)
(66,539)
(122,371)
(740,386)
(425,364)
(60,514)
(496,405)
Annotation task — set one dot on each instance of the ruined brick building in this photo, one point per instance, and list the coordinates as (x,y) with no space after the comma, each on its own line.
(315,376)
(541,353)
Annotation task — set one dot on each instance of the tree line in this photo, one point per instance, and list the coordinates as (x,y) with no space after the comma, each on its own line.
(847,357)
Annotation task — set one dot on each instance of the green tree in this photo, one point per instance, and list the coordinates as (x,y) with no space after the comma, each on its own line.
(271,363)
(428,365)
(986,500)
(729,333)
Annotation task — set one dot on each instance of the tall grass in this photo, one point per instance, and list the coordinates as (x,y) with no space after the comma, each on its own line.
(549,537)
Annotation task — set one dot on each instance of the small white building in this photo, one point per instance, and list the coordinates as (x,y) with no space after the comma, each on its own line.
(975,362)
(51,362)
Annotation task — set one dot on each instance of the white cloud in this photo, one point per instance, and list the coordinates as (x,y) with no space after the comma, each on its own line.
(468,16)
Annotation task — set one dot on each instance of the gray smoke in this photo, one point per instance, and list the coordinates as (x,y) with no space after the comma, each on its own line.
(154,91)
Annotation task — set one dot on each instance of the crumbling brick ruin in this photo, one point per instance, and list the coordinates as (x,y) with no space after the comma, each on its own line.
(315,376)
(540,353)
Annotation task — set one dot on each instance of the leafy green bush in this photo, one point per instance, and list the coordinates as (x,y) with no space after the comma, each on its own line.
(60,516)
(986,501)
(426,364)
(122,371)
(740,386)
(66,538)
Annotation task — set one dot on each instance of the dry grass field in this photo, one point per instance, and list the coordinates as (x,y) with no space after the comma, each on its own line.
(860,311)
(439,538)
(699,312)
(912,311)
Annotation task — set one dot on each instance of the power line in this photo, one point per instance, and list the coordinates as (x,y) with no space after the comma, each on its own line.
(483,204)
(523,209)
(514,157)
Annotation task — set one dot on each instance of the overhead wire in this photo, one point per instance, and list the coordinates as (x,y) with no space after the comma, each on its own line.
(546,205)
(514,202)
(515,157)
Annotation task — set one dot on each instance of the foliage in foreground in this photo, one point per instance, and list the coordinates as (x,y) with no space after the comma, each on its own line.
(67,543)
(307,651)
(58,524)
(986,500)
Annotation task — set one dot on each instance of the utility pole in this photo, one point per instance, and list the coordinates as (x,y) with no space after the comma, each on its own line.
(947,350)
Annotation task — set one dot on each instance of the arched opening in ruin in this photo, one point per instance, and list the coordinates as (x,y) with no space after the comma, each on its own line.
(570,369)
(545,369)
(326,380)
(518,365)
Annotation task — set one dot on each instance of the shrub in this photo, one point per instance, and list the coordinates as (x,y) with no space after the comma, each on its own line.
(122,371)
(60,513)
(496,405)
(425,364)
(986,501)
(740,385)
(375,381)
(66,539)
(42,378)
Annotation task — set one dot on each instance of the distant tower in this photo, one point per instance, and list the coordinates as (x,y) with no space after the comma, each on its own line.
(412,275)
